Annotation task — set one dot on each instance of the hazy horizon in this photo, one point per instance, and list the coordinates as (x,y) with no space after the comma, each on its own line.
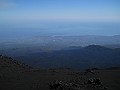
(61,29)
(21,18)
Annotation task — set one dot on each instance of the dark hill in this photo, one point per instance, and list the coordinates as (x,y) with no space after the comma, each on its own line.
(8,65)
(17,76)
(78,58)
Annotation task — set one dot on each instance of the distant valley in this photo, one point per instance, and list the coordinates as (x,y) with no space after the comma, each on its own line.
(77,58)
(77,52)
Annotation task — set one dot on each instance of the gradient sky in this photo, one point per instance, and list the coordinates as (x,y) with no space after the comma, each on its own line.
(73,10)
(28,13)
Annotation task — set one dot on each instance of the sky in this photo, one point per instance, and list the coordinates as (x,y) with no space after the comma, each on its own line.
(81,10)
(30,13)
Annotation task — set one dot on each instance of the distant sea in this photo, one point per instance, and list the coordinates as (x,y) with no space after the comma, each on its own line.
(23,30)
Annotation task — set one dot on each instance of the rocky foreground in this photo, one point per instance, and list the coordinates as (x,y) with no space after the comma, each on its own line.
(16,76)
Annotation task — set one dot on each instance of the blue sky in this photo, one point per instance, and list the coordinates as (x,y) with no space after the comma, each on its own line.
(60,10)
(45,14)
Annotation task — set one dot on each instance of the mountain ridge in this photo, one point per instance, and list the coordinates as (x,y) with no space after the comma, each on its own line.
(89,56)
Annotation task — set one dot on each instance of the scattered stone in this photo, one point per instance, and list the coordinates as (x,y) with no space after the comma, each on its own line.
(89,71)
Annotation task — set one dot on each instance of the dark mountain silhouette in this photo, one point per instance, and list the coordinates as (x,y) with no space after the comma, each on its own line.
(18,76)
(8,65)
(113,46)
(78,58)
